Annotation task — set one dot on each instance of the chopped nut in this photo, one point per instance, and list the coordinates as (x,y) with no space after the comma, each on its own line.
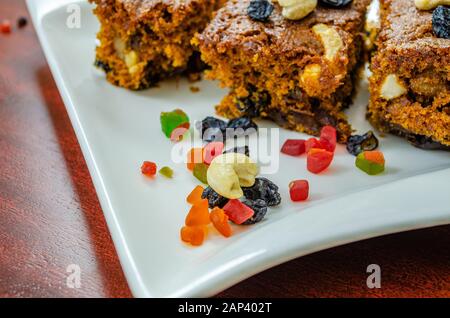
(311,72)
(297,9)
(119,46)
(310,78)
(131,60)
(392,87)
(330,38)
(231,171)
(430,4)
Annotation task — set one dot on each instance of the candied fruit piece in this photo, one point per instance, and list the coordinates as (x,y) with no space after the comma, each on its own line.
(371,162)
(5,26)
(237,211)
(294,147)
(328,138)
(171,120)
(194,156)
(166,172)
(200,172)
(194,235)
(198,214)
(148,168)
(312,143)
(179,132)
(212,150)
(299,190)
(195,195)
(220,221)
(318,160)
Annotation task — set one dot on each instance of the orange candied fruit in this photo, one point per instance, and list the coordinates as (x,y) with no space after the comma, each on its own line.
(220,221)
(374,156)
(194,156)
(148,168)
(194,235)
(199,214)
(195,195)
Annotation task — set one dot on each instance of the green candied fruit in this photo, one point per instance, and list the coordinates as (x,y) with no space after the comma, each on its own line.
(172,120)
(166,172)
(200,170)
(372,163)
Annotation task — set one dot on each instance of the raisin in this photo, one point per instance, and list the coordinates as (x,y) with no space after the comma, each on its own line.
(212,129)
(260,10)
(259,207)
(241,126)
(263,189)
(22,22)
(441,22)
(359,143)
(135,41)
(335,3)
(214,199)
(102,65)
(252,105)
(244,150)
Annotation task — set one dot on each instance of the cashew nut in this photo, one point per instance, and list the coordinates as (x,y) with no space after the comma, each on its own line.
(297,9)
(131,60)
(331,40)
(392,87)
(231,171)
(430,4)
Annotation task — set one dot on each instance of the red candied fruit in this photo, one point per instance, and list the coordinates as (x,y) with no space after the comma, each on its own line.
(318,160)
(237,211)
(148,168)
(211,151)
(312,143)
(299,190)
(5,26)
(328,138)
(293,147)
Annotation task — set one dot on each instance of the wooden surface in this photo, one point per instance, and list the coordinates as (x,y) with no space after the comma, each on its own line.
(50,216)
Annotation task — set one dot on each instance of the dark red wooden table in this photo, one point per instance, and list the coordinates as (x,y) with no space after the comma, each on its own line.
(50,216)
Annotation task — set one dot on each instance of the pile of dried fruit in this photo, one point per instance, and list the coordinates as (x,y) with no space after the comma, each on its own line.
(235,193)
(320,154)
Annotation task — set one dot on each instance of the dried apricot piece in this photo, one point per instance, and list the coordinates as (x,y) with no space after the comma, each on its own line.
(199,214)
(220,221)
(195,195)
(194,235)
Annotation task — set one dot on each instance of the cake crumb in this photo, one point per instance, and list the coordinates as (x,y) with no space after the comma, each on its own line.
(194,89)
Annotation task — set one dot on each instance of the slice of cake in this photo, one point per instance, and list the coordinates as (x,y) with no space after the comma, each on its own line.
(410,85)
(300,74)
(144,41)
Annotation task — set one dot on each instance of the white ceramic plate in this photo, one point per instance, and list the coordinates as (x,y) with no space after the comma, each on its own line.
(118,129)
